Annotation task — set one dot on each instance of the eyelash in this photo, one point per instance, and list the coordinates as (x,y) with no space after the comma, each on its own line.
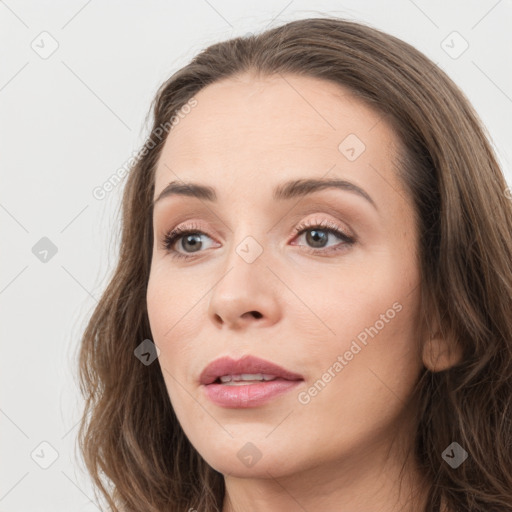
(171,237)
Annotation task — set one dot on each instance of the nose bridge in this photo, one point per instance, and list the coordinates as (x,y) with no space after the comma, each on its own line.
(247,237)
(244,285)
(245,262)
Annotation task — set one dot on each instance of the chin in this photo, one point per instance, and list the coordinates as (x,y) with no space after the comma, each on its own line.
(242,458)
(228,465)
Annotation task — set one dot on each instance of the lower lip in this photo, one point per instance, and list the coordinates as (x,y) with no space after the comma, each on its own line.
(248,395)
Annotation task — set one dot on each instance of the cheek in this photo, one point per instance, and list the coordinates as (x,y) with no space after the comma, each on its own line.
(363,380)
(166,306)
(177,310)
(365,355)
(355,300)
(159,304)
(173,304)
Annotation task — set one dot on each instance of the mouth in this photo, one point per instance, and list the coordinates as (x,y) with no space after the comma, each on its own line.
(247,369)
(247,382)
(244,379)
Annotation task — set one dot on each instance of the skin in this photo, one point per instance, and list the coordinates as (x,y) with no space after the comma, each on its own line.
(344,449)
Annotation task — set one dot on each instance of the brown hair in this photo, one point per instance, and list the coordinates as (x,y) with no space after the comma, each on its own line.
(133,445)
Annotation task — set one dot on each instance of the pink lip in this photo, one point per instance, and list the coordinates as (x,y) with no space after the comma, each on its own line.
(247,364)
(247,395)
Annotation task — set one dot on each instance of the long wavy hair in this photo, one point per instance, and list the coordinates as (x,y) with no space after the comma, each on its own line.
(133,445)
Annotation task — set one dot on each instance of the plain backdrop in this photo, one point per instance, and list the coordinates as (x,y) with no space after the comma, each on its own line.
(76,81)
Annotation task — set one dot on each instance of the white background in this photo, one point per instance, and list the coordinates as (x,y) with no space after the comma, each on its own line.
(70,120)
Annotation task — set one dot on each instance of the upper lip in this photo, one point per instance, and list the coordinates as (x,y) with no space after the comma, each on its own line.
(247,364)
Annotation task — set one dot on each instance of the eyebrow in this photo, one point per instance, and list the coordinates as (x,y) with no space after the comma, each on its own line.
(287,190)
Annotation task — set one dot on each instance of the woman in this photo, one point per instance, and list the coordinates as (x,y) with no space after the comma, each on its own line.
(342,340)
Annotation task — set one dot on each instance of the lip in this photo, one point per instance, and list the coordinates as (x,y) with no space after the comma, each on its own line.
(247,364)
(246,395)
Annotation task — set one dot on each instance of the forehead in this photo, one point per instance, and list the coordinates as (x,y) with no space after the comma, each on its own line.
(261,130)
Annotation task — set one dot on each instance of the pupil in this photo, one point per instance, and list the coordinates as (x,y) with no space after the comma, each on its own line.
(195,244)
(317,236)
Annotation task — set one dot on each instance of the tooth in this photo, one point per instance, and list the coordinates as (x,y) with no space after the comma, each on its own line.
(246,377)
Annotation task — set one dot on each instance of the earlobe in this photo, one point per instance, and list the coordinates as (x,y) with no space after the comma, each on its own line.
(440,353)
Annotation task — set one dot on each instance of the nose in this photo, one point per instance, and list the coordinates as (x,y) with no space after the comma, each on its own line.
(245,295)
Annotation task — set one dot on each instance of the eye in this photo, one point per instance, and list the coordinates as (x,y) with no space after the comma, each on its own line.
(317,236)
(189,239)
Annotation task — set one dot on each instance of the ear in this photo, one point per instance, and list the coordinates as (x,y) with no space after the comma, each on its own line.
(441,353)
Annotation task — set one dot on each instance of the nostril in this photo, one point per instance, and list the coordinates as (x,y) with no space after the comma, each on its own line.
(256,314)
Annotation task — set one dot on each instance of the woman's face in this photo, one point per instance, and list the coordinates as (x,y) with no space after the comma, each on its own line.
(257,276)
